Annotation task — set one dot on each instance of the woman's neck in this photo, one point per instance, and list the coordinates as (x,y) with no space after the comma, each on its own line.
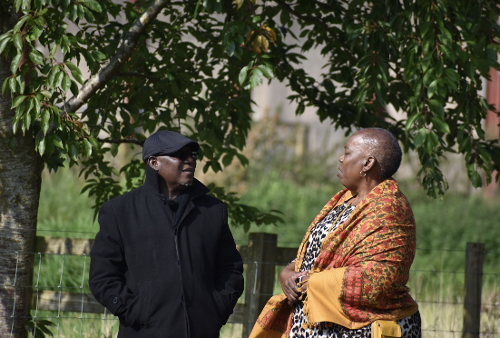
(360,193)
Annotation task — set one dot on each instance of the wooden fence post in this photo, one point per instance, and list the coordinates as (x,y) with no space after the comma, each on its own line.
(473,282)
(260,259)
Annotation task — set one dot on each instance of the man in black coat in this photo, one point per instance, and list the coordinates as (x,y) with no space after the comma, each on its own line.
(164,260)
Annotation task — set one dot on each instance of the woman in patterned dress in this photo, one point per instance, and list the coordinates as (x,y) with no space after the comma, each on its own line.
(353,264)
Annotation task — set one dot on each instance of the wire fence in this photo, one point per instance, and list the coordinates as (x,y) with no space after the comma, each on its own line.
(60,292)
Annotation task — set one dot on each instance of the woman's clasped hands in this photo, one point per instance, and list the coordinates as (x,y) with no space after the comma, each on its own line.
(294,284)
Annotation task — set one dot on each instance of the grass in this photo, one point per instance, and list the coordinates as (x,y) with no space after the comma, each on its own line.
(443,229)
(63,211)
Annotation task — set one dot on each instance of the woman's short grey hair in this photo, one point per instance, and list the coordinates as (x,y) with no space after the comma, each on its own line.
(385,148)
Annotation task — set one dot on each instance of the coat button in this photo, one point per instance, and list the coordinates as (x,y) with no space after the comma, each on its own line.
(115,300)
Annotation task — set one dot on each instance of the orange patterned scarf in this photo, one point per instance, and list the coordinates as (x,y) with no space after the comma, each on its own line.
(361,272)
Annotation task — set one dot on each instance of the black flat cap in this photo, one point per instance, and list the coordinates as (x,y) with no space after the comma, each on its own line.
(165,142)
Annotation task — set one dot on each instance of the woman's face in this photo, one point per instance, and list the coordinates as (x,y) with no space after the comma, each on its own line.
(351,162)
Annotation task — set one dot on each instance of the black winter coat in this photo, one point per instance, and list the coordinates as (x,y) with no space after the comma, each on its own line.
(163,281)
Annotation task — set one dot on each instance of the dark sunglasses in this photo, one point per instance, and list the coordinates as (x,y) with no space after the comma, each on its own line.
(183,155)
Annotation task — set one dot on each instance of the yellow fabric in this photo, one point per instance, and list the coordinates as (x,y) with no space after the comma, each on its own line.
(385,329)
(323,298)
(323,301)
(278,308)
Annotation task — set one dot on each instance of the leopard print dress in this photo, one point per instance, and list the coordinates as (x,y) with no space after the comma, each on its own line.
(410,326)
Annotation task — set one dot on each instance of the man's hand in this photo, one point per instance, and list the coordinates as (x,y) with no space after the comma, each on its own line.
(288,279)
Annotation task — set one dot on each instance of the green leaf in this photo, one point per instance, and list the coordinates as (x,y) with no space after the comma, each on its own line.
(74,88)
(21,22)
(436,107)
(17,5)
(73,152)
(475,179)
(431,142)
(429,76)
(256,78)
(12,85)
(15,124)
(5,36)
(22,84)
(114,149)
(16,61)
(18,41)
(45,120)
(36,57)
(420,137)
(18,100)
(5,85)
(41,146)
(424,27)
(87,148)
(440,125)
(35,33)
(98,56)
(58,79)
(72,12)
(52,76)
(227,159)
(75,71)
(93,142)
(243,159)
(38,105)
(26,4)
(26,118)
(267,71)
(432,89)
(452,75)
(56,140)
(256,18)
(93,5)
(88,15)
(3,43)
(66,83)
(231,46)
(243,75)
(80,12)
(46,93)
(53,50)
(72,67)
(410,121)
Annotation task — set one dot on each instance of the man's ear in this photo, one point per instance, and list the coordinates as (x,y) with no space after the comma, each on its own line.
(153,162)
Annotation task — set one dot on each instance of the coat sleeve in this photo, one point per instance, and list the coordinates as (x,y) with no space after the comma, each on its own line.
(229,269)
(107,270)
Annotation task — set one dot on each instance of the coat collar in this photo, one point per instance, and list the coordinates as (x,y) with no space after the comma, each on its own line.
(152,185)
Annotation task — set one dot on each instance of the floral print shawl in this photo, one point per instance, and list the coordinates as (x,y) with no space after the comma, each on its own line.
(361,272)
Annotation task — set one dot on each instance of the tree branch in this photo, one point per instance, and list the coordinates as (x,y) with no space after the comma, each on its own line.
(126,48)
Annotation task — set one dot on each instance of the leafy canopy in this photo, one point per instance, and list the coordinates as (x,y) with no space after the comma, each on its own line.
(195,66)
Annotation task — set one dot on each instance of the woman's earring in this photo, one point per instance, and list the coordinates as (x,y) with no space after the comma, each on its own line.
(361,173)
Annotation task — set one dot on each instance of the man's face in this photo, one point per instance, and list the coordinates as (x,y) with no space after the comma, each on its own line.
(178,174)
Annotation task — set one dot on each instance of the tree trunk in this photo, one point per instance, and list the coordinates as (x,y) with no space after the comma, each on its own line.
(20,181)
